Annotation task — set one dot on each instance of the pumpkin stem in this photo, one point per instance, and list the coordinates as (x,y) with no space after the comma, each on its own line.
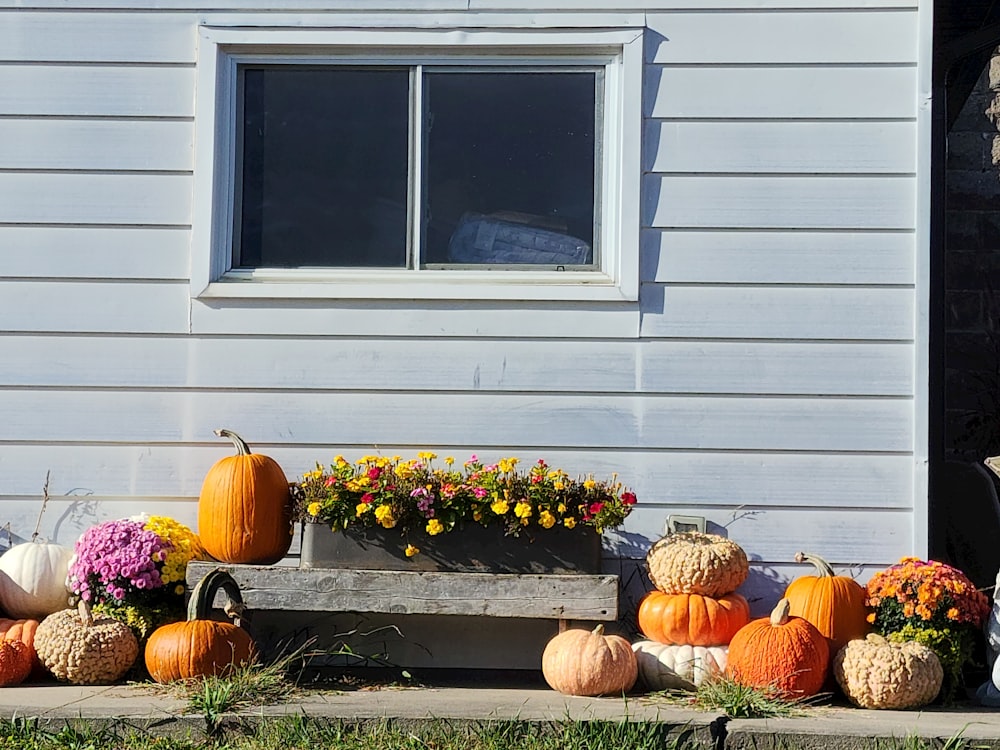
(599,631)
(242,449)
(203,596)
(822,566)
(45,502)
(779,615)
(86,616)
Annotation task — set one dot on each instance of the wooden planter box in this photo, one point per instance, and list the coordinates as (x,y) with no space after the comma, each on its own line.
(472,549)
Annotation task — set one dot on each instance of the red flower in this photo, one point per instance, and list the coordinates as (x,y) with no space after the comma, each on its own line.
(628,498)
(595,508)
(374,472)
(367,497)
(330,481)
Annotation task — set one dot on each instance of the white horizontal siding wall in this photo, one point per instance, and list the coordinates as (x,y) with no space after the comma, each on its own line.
(766,379)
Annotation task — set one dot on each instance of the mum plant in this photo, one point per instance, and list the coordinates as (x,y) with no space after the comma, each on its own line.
(418,497)
(134,570)
(933,603)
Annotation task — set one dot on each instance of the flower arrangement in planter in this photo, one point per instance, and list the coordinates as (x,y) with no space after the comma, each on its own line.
(134,570)
(419,500)
(932,603)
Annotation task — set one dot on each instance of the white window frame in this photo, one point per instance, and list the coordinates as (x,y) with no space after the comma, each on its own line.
(222,49)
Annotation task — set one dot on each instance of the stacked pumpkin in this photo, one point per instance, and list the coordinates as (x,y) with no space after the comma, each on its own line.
(694,612)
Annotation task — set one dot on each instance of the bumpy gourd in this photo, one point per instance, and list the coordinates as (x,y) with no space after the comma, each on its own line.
(79,648)
(663,667)
(584,662)
(876,673)
(692,619)
(692,562)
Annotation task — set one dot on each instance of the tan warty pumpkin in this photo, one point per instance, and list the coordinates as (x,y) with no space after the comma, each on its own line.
(693,562)
(584,662)
(245,510)
(876,673)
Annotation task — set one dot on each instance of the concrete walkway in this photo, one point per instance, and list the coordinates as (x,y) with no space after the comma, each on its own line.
(821,727)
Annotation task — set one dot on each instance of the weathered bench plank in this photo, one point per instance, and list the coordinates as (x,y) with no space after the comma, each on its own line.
(560,597)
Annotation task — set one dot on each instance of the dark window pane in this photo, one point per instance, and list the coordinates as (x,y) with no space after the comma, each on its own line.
(509,164)
(324,167)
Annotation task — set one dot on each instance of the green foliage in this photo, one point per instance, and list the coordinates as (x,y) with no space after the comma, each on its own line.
(142,619)
(742,702)
(953,646)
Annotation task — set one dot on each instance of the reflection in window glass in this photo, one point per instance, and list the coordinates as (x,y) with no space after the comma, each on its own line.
(324,167)
(510,168)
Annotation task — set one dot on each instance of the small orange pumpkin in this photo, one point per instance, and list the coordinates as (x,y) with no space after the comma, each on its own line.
(835,605)
(23,631)
(15,662)
(199,646)
(692,619)
(782,653)
(584,662)
(245,509)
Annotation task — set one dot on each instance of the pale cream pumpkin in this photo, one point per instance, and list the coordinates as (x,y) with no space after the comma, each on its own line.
(678,667)
(33,579)
(584,662)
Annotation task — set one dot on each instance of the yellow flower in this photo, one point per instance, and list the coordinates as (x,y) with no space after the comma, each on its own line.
(546,520)
(499,507)
(360,509)
(525,521)
(507,464)
(426,455)
(434,527)
(411,550)
(569,522)
(449,460)
(522,510)
(477,516)
(383,514)
(590,484)
(561,508)
(179,590)
(314,508)
(952,614)
(559,485)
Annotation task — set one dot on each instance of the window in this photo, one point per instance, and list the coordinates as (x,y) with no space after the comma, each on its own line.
(497,170)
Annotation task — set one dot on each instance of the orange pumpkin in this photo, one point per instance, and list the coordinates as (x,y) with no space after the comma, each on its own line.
(692,619)
(780,653)
(584,662)
(835,605)
(23,631)
(15,662)
(245,510)
(200,647)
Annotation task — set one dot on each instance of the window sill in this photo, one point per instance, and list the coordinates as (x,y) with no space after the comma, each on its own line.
(415,285)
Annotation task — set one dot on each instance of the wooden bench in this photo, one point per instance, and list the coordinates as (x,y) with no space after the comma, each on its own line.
(555,597)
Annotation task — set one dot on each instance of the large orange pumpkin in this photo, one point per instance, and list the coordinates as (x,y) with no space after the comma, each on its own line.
(200,647)
(692,619)
(781,653)
(834,604)
(245,510)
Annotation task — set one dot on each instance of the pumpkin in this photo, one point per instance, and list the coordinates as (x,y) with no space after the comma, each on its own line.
(82,649)
(33,579)
(693,562)
(678,667)
(244,510)
(692,619)
(834,604)
(584,662)
(15,662)
(781,653)
(875,673)
(200,647)
(23,631)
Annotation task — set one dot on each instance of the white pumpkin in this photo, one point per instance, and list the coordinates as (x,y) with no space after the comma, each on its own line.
(33,579)
(673,667)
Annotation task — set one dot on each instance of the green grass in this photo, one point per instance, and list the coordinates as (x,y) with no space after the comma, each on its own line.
(723,695)
(303,733)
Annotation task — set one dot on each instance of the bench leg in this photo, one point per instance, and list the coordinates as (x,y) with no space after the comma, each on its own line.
(563,625)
